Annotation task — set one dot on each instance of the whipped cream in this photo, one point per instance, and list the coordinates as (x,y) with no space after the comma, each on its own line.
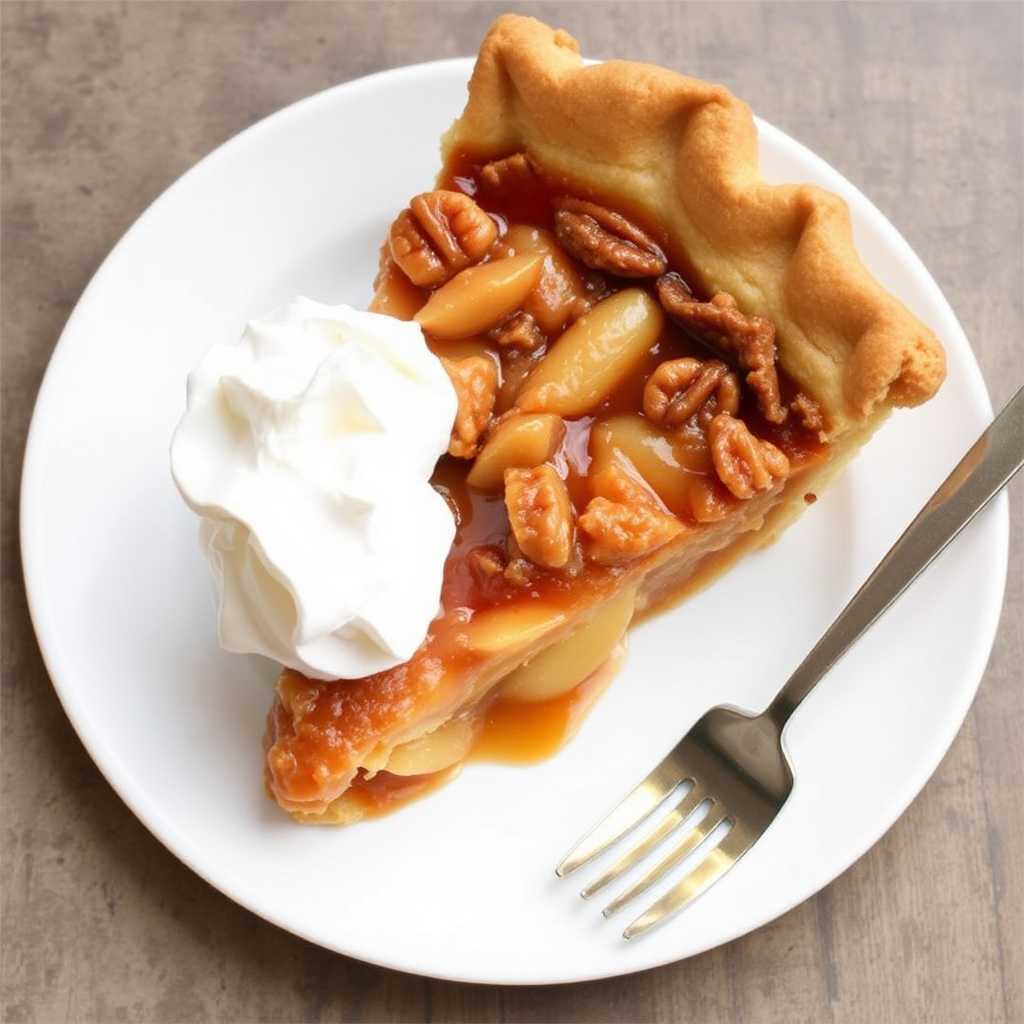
(307,449)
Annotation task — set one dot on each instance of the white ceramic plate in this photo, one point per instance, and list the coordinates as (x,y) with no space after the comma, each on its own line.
(461,885)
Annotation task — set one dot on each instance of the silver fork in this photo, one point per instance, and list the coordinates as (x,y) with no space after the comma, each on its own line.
(730,774)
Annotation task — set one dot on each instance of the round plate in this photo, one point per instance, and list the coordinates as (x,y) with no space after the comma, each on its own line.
(460,885)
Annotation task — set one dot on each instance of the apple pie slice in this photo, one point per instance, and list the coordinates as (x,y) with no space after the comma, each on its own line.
(660,359)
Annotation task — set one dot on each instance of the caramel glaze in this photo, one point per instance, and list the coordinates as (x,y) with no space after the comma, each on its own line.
(338,719)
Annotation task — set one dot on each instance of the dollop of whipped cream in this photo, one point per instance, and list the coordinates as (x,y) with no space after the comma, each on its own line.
(307,449)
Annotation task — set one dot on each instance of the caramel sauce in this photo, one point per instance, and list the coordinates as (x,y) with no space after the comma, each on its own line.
(525,732)
(510,732)
(384,792)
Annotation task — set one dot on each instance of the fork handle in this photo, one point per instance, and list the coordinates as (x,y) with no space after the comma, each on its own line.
(982,473)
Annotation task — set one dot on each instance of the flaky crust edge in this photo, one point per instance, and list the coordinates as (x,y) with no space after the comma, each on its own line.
(686,153)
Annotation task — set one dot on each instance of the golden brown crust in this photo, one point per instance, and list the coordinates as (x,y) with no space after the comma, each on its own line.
(686,154)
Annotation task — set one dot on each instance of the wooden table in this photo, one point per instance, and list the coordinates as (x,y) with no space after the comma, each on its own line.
(105,104)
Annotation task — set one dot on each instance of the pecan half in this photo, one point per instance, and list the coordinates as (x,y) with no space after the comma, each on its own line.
(475,380)
(510,174)
(439,234)
(680,389)
(605,240)
(809,413)
(625,486)
(616,532)
(486,563)
(724,327)
(744,463)
(520,331)
(540,514)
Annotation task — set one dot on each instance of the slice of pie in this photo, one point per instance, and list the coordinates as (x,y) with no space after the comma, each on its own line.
(660,359)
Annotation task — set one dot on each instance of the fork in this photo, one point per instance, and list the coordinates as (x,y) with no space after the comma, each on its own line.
(730,774)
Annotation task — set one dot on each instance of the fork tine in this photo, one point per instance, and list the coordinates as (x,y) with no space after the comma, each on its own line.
(689,802)
(626,815)
(693,839)
(717,862)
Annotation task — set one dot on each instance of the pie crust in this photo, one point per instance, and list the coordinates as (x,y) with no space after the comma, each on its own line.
(678,157)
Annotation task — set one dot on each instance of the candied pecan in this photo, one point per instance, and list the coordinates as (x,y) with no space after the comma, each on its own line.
(722,325)
(476,384)
(680,389)
(519,570)
(605,240)
(618,484)
(486,563)
(519,331)
(512,173)
(494,569)
(744,463)
(439,234)
(540,514)
(617,532)
(810,414)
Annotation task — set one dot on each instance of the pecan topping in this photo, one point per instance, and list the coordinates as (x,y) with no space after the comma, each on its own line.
(616,532)
(540,515)
(486,563)
(722,325)
(520,331)
(618,484)
(519,570)
(439,234)
(510,175)
(605,240)
(476,384)
(744,463)
(496,567)
(809,413)
(680,389)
